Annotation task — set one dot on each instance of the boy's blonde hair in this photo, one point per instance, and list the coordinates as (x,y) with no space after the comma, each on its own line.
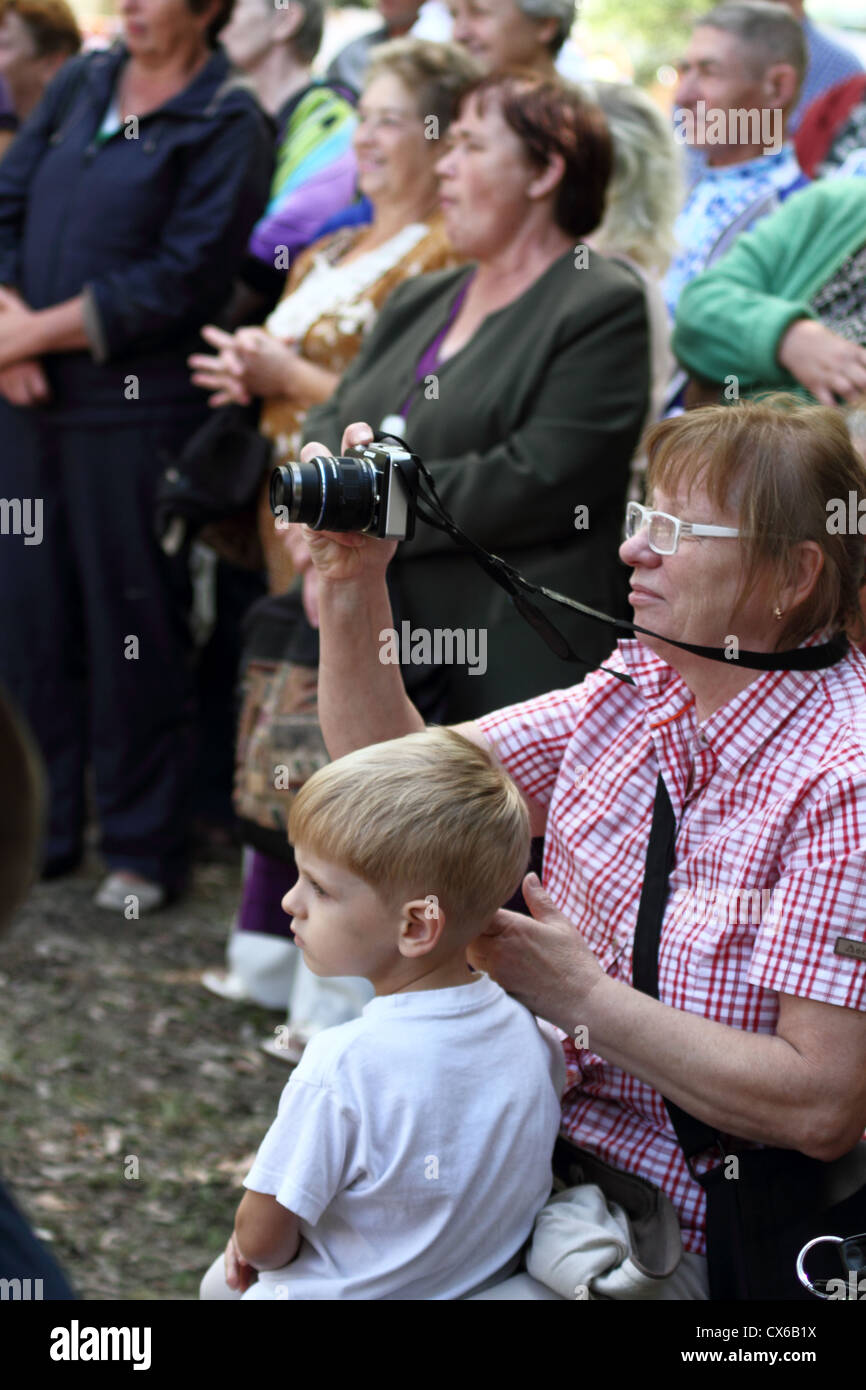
(427,814)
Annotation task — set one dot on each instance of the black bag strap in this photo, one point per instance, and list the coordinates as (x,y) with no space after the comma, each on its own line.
(694,1135)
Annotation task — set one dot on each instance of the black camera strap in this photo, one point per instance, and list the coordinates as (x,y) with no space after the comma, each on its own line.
(429,508)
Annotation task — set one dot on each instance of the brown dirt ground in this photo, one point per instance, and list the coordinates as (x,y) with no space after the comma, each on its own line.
(110,1049)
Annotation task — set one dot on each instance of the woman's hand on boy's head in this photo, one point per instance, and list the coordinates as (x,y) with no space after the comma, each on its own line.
(239,1274)
(541,960)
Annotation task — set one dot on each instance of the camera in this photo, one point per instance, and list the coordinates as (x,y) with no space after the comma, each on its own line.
(370,488)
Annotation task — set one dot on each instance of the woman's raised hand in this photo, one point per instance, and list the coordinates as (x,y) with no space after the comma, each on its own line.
(344,556)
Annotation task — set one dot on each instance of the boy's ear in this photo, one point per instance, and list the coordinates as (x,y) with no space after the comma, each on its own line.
(421,926)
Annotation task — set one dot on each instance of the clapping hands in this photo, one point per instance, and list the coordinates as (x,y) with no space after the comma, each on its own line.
(23,382)
(248,363)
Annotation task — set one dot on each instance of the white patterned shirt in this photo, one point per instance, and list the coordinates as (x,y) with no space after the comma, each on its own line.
(725,200)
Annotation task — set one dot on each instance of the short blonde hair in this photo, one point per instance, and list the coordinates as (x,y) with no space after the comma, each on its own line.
(427,814)
(778,463)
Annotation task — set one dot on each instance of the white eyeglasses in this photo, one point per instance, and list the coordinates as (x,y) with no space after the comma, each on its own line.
(664,531)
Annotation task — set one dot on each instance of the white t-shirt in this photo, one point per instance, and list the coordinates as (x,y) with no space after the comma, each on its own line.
(415,1145)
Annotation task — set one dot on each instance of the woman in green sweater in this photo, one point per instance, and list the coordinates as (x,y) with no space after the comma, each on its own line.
(786,307)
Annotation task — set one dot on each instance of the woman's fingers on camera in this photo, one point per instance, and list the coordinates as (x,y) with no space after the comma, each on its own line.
(314,450)
(318,540)
(359,433)
(338,555)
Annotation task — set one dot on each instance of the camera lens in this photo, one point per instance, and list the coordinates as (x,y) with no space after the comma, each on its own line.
(329,494)
(291,486)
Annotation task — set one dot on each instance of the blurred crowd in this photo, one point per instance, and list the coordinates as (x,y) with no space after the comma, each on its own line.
(212,253)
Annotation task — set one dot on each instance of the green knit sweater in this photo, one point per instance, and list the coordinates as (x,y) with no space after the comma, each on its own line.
(732,318)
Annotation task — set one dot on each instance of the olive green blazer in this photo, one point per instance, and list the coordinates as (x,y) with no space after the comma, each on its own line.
(537,416)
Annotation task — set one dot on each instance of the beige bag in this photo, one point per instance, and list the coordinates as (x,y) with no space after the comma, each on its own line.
(609,1233)
(279,743)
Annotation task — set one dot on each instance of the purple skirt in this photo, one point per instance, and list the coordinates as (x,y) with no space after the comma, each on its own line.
(266,883)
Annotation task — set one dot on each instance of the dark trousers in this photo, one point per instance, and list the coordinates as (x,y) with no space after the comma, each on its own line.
(94,642)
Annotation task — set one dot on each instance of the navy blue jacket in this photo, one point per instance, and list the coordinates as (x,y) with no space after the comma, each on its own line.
(24,1257)
(151,229)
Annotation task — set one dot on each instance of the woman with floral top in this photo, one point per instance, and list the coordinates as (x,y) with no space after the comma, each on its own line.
(337,286)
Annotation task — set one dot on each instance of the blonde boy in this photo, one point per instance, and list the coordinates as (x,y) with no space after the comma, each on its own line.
(412,1148)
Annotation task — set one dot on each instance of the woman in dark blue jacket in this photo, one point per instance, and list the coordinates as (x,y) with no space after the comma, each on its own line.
(126,203)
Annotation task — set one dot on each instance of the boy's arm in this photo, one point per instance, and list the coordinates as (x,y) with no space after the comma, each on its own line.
(266,1233)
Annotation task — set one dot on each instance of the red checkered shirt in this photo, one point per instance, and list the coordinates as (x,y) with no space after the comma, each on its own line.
(769,795)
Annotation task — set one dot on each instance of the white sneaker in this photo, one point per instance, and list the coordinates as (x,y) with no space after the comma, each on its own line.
(121,890)
(288,1047)
(228,984)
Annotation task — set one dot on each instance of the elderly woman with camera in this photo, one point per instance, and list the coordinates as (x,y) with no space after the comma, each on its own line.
(750,786)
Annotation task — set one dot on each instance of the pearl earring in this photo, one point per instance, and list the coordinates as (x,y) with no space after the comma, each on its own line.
(777,613)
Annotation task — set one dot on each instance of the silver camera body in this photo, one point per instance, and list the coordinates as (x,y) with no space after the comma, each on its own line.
(369,489)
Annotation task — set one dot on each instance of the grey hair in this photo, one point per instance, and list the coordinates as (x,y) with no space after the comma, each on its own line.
(563,11)
(769,32)
(646,189)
